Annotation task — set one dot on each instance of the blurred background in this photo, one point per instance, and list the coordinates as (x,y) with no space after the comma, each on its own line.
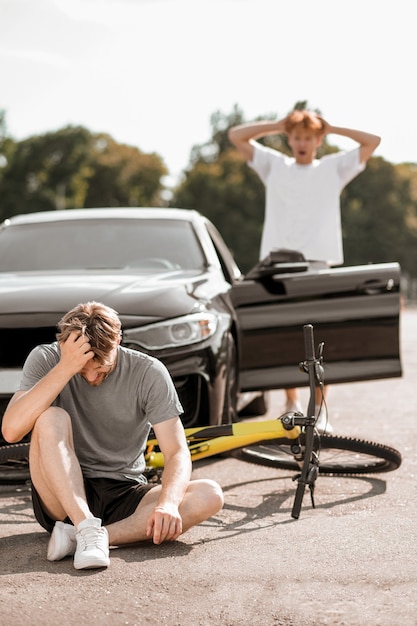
(128,102)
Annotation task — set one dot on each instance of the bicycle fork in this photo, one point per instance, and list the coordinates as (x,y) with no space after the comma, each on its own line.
(306,455)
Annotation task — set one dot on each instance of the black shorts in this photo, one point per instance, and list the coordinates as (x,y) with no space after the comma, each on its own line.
(110,500)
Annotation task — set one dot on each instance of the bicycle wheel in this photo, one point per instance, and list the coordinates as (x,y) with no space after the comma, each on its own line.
(14,465)
(337,455)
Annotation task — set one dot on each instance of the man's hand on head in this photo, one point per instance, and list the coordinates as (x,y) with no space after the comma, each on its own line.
(75,352)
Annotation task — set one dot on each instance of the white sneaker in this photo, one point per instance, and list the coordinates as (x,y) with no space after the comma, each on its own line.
(92,545)
(293,407)
(62,542)
(322,424)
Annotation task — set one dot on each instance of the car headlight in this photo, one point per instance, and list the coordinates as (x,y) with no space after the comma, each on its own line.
(180,331)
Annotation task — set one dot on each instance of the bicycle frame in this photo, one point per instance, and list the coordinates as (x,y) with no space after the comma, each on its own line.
(211,440)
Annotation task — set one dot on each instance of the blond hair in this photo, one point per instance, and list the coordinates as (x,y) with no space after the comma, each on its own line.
(98,322)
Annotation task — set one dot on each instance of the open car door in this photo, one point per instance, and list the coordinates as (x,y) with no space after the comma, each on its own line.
(354,311)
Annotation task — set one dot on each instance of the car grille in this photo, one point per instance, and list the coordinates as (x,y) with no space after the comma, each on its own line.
(16,343)
(192,394)
(193,397)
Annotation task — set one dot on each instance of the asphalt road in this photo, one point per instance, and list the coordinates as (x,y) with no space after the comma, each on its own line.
(351,561)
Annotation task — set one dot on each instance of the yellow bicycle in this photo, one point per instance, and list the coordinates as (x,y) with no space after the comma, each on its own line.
(290,442)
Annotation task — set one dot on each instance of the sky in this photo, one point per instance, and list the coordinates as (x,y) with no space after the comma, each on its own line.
(150,73)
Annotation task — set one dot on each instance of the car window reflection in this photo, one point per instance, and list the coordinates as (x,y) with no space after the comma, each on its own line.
(147,245)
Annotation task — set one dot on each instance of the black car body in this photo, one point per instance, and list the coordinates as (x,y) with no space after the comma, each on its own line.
(181,297)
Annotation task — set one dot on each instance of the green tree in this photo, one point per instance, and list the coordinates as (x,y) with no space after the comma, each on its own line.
(47,172)
(232,197)
(122,175)
(379,217)
(219,184)
(7,145)
(74,168)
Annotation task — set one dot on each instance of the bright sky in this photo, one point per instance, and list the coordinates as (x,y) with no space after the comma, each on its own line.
(151,72)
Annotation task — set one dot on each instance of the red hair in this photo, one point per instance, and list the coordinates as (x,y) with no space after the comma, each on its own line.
(304,119)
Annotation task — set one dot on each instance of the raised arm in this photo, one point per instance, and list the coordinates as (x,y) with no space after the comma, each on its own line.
(368,142)
(242,136)
(26,406)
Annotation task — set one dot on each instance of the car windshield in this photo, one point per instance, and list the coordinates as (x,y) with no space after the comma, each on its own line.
(150,245)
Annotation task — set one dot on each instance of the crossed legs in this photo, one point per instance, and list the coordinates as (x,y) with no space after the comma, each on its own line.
(57,477)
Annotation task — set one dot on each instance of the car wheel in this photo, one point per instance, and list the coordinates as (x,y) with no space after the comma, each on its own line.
(229,414)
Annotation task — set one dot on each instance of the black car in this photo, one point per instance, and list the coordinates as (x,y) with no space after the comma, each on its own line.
(224,337)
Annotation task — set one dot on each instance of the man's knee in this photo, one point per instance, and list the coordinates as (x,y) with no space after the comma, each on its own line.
(52,423)
(210,495)
(216,494)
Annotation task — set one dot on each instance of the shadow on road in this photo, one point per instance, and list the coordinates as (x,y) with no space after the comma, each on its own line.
(264,514)
(254,509)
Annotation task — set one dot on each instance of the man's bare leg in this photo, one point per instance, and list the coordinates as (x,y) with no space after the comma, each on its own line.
(57,477)
(54,467)
(202,499)
(293,400)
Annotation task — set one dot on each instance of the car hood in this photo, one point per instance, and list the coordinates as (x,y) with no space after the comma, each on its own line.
(37,298)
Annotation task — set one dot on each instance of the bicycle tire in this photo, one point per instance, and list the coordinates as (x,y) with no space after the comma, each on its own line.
(337,455)
(14,465)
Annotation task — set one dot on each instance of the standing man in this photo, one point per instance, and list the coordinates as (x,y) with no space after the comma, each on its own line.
(89,404)
(302,194)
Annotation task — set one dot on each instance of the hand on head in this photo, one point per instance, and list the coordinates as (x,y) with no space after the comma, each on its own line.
(76,351)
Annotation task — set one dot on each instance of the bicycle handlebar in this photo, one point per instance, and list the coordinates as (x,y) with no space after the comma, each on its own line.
(309,342)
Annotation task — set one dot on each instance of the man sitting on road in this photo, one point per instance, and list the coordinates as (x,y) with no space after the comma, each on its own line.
(89,404)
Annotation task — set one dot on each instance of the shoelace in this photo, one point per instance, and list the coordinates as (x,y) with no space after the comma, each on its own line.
(91,537)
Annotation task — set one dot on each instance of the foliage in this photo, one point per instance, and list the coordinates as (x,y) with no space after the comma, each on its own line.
(7,145)
(379,218)
(123,176)
(74,168)
(220,186)
(232,197)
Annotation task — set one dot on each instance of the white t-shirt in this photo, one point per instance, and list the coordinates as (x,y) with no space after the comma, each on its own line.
(302,204)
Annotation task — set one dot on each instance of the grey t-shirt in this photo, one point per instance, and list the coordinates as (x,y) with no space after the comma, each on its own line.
(111,422)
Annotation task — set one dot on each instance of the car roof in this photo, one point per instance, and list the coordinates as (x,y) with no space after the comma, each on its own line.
(105,213)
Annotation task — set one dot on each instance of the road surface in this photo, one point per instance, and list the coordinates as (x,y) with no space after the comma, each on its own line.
(351,561)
